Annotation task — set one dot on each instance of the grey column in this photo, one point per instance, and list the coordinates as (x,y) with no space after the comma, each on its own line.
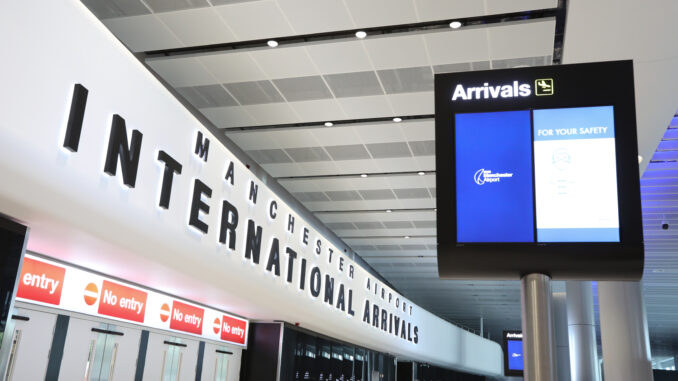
(562,347)
(623,327)
(582,332)
(538,336)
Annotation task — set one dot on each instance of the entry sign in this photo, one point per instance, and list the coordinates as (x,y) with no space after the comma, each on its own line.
(61,286)
(538,172)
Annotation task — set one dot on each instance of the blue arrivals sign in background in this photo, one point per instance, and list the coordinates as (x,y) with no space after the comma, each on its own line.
(537,172)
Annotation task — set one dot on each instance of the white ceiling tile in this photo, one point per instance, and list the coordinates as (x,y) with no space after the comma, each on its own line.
(339,57)
(529,39)
(503,6)
(420,103)
(366,107)
(301,169)
(180,72)
(380,133)
(142,33)
(436,9)
(272,113)
(199,26)
(313,16)
(232,67)
(229,116)
(397,52)
(251,140)
(332,136)
(254,20)
(397,164)
(463,45)
(382,12)
(320,110)
(284,62)
(417,130)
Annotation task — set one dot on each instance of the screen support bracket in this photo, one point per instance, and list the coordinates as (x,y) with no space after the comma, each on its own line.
(539,348)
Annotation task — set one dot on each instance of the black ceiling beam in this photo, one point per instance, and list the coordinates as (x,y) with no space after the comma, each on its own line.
(335,123)
(358,175)
(350,33)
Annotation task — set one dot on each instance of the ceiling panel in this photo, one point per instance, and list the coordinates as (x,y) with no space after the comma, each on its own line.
(254,20)
(144,32)
(212,29)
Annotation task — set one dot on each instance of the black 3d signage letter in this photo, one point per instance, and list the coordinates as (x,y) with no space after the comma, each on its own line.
(118,148)
(171,167)
(197,205)
(202,146)
(75,117)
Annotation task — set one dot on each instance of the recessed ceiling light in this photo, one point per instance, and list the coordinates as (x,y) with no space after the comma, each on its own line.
(272,43)
(407,237)
(363,175)
(361,34)
(640,159)
(329,124)
(421,173)
(388,210)
(435,209)
(396,119)
(455,24)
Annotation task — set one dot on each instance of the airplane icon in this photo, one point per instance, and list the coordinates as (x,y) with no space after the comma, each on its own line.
(543,87)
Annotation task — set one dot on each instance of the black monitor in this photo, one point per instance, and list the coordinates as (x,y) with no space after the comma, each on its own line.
(537,172)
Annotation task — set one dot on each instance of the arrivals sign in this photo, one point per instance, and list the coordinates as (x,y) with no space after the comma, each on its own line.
(69,288)
(537,172)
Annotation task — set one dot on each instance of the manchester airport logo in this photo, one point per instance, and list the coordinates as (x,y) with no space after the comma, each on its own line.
(483,176)
(543,87)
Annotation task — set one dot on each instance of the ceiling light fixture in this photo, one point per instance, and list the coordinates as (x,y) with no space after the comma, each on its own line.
(407,237)
(361,34)
(329,124)
(455,24)
(388,211)
(363,175)
(272,43)
(396,119)
(421,173)
(640,159)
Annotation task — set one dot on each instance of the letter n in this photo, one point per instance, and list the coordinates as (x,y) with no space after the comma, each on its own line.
(118,148)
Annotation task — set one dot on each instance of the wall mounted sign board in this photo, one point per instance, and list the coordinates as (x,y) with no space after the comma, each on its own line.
(537,172)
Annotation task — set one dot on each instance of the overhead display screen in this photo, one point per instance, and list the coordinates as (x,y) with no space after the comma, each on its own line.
(553,166)
(537,171)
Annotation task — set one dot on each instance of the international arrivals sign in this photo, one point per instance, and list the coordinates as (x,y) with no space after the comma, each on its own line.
(65,287)
(286,262)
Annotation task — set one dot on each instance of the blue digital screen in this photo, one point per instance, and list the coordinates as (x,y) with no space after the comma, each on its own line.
(547,174)
(494,177)
(515,354)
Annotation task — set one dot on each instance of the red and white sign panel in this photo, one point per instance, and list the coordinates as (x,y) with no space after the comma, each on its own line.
(62,286)
(41,282)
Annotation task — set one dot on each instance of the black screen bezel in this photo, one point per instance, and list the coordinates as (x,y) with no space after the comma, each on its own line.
(578,85)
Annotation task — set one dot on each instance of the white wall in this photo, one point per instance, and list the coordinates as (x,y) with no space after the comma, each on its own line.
(79,214)
(645,31)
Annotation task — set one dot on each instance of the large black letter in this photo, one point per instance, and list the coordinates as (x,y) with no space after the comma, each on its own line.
(366,312)
(230,174)
(197,205)
(117,148)
(229,221)
(202,147)
(253,242)
(341,300)
(290,223)
(274,257)
(291,256)
(315,282)
(171,167)
(350,303)
(254,189)
(74,126)
(329,289)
